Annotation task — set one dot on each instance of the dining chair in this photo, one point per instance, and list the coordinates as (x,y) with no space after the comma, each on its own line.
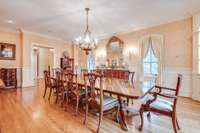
(83,71)
(54,70)
(131,76)
(97,102)
(60,88)
(73,91)
(67,64)
(49,83)
(157,103)
(128,77)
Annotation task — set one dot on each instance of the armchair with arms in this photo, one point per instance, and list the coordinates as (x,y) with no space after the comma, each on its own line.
(158,103)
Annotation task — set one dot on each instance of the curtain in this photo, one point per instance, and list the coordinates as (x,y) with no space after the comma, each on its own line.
(156,43)
(145,46)
(157,47)
(144,50)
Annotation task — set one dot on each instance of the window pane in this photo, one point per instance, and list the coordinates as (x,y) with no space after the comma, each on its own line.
(153,58)
(147,59)
(150,63)
(147,68)
(154,68)
(147,84)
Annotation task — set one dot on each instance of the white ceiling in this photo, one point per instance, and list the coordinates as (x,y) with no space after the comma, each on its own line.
(66,18)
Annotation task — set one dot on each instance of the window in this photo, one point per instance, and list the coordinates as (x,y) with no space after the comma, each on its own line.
(150,63)
(91,61)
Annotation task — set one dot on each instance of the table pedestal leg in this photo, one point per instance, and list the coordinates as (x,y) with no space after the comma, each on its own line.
(123,123)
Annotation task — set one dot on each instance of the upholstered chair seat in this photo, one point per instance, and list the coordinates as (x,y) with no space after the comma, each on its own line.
(162,101)
(162,104)
(96,101)
(108,100)
(159,104)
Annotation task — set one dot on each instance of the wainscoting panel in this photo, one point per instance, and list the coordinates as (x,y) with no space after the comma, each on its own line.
(19,77)
(28,77)
(170,77)
(196,87)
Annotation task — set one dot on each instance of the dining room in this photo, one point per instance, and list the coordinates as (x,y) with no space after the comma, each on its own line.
(88,66)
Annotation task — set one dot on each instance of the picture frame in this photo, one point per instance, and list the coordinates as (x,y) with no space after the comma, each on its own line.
(7,51)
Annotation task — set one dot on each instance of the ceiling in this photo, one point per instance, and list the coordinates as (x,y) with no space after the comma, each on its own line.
(65,19)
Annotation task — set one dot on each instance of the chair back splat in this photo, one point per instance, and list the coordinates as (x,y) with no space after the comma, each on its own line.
(95,101)
(50,83)
(59,87)
(74,92)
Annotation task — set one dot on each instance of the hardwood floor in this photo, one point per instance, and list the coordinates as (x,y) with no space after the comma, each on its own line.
(25,111)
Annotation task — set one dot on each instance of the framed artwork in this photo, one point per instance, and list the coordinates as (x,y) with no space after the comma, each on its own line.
(7,51)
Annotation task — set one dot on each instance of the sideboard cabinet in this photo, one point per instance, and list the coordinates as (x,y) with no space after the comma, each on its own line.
(9,77)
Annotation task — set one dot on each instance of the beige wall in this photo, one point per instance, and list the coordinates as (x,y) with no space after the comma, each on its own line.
(80,57)
(45,60)
(177,42)
(28,42)
(13,38)
(177,51)
(25,41)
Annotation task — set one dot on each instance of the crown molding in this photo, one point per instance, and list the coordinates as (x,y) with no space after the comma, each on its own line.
(45,36)
(5,29)
(132,30)
(18,31)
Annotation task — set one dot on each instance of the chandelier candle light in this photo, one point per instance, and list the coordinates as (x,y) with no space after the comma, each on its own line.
(87,42)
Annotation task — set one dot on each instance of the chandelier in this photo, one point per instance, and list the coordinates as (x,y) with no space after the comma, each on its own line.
(86,42)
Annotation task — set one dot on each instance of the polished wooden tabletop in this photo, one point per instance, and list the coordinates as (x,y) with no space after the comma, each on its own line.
(124,88)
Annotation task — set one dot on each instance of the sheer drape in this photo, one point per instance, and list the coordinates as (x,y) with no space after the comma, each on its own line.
(144,50)
(145,46)
(156,43)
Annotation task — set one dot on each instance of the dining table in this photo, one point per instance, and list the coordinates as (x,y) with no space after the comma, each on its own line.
(122,89)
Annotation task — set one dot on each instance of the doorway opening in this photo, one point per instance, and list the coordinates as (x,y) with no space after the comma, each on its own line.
(43,57)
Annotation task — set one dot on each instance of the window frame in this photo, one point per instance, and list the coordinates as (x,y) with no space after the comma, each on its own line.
(151,62)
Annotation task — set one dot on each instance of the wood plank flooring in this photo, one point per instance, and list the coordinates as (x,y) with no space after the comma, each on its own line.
(25,111)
